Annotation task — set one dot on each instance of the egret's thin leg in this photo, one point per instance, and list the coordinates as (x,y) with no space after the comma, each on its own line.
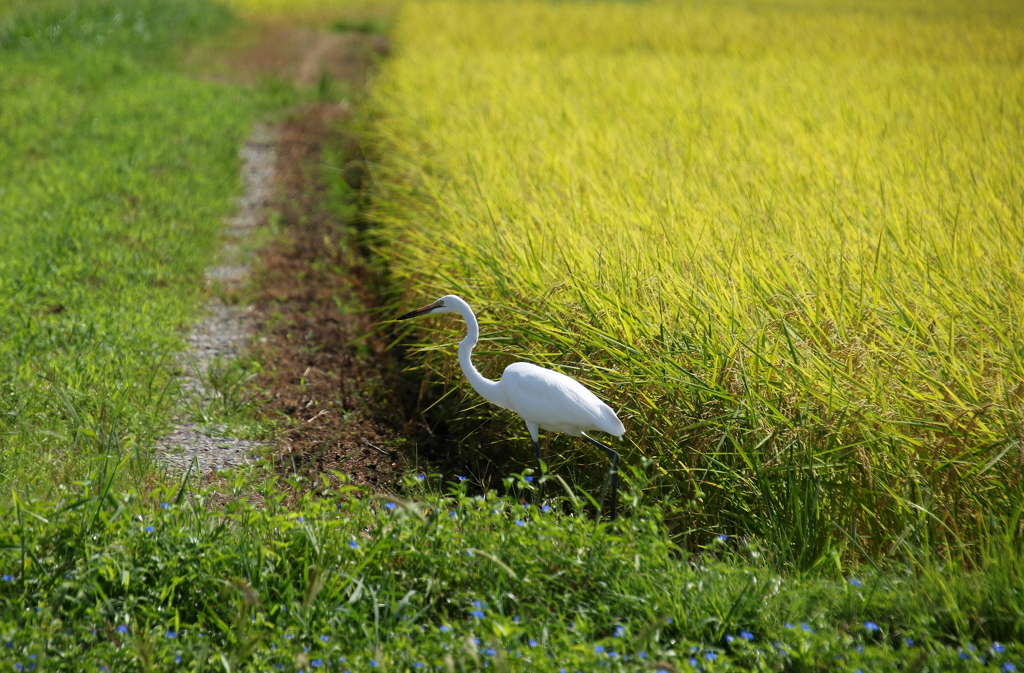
(540,470)
(614,455)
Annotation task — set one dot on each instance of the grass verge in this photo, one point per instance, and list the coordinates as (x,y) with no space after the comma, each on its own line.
(117,173)
(175,579)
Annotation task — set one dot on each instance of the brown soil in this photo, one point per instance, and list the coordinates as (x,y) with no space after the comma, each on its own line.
(299,55)
(302,55)
(327,370)
(329,377)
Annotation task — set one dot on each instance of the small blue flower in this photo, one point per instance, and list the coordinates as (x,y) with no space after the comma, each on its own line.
(421,477)
(324,639)
(598,649)
(165,505)
(177,658)
(693,662)
(170,634)
(479,614)
(997,648)
(460,478)
(546,508)
(444,628)
(619,631)
(316,663)
(710,656)
(520,522)
(373,662)
(353,544)
(963,655)
(489,652)
(452,514)
(529,480)
(746,635)
(854,582)
(642,655)
(149,529)
(8,578)
(18,666)
(788,625)
(806,627)
(871,626)
(669,620)
(909,642)
(300,519)
(417,665)
(1009,668)
(532,643)
(121,628)
(515,620)
(729,638)
(390,505)
(723,538)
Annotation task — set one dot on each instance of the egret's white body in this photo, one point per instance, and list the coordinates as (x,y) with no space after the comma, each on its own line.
(552,401)
(543,398)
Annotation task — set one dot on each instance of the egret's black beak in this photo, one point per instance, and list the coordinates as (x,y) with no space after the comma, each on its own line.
(420,311)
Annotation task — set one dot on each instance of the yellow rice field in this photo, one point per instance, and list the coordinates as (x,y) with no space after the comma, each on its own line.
(786,240)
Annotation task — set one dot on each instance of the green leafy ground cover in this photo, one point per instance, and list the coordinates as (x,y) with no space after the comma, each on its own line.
(115,174)
(445,580)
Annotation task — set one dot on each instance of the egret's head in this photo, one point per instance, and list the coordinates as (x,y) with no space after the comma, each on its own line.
(446,304)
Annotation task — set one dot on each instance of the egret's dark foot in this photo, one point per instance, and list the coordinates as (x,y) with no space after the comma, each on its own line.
(614,455)
(540,472)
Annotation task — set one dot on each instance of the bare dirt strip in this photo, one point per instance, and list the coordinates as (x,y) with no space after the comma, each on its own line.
(328,380)
(327,367)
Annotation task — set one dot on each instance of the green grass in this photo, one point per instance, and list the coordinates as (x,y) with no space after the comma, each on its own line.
(116,174)
(783,240)
(453,581)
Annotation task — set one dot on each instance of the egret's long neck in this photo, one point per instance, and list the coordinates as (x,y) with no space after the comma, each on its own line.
(488,389)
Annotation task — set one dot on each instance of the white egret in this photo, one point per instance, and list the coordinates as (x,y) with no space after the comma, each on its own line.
(543,398)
